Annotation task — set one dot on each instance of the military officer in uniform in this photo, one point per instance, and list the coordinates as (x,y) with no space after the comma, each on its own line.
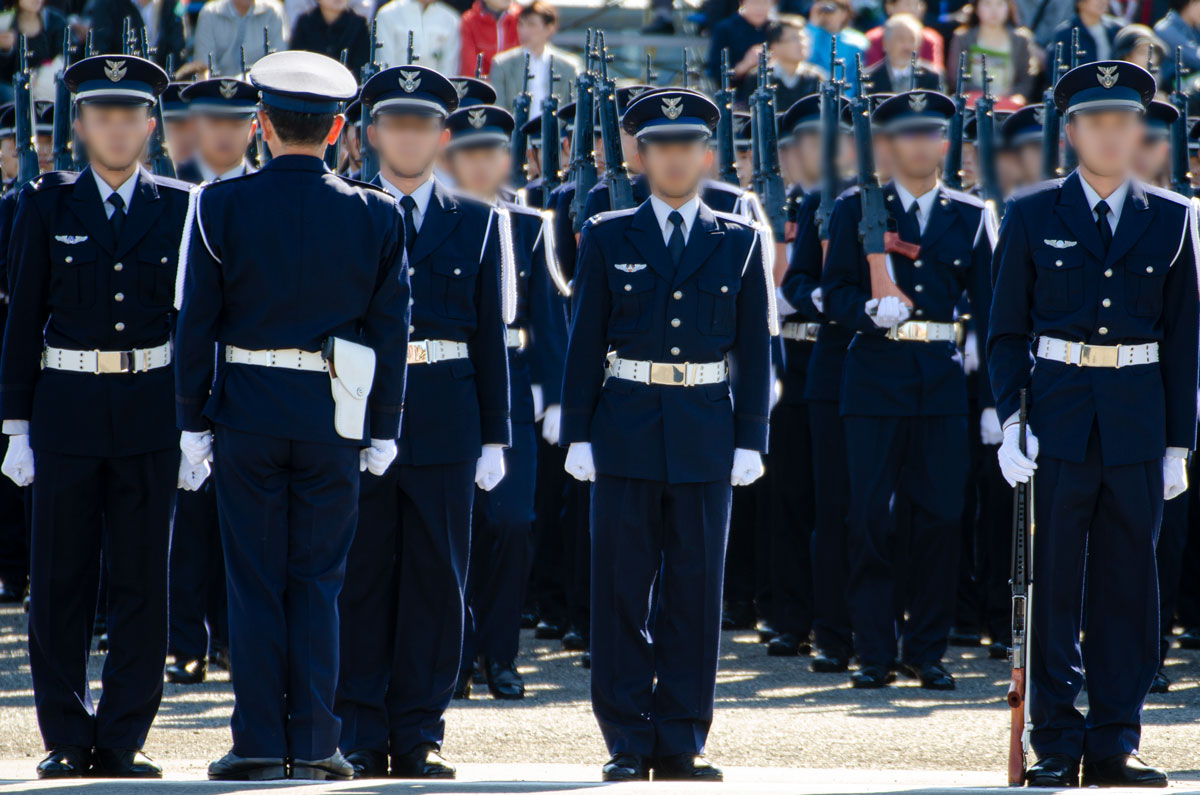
(1095,281)
(294,286)
(222,113)
(86,398)
(904,397)
(671,297)
(403,605)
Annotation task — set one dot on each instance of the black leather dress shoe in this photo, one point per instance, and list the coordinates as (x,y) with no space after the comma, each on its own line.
(424,761)
(1161,683)
(766,632)
(368,763)
(548,630)
(998,651)
(65,761)
(187,672)
(932,677)
(1190,638)
(871,677)
(1055,770)
(788,645)
(685,767)
(573,640)
(738,615)
(219,658)
(1123,770)
(504,682)
(964,637)
(11,594)
(626,767)
(123,763)
(232,767)
(827,664)
(331,768)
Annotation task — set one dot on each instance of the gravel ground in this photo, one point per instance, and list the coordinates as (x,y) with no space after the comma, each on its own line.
(771,713)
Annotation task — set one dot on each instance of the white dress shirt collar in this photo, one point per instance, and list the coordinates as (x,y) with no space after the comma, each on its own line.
(422,195)
(208,175)
(124,190)
(1115,201)
(662,212)
(924,202)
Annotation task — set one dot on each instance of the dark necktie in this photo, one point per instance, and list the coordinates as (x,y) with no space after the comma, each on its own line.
(118,216)
(410,221)
(1105,230)
(676,242)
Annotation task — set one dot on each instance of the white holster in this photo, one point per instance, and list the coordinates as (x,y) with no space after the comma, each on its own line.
(351,371)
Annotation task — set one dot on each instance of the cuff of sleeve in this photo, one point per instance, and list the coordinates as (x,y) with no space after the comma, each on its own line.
(785,306)
(750,433)
(575,427)
(385,424)
(496,429)
(16,427)
(1172,452)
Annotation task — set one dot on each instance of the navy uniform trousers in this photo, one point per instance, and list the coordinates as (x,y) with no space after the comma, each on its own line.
(82,504)
(830,558)
(198,610)
(646,531)
(1096,525)
(287,510)
(401,640)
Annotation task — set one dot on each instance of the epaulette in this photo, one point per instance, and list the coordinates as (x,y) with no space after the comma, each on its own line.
(609,215)
(730,218)
(220,184)
(358,183)
(173,184)
(520,209)
(723,187)
(1038,187)
(53,179)
(1167,195)
(850,191)
(965,198)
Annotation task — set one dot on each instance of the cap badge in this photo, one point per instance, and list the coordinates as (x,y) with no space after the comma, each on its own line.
(114,70)
(476,118)
(634,93)
(917,102)
(1039,113)
(460,86)
(409,81)
(1107,76)
(228,88)
(672,107)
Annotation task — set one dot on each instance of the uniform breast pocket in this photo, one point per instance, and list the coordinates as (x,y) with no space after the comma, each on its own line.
(717,308)
(1144,280)
(1059,283)
(631,297)
(73,275)
(156,278)
(454,288)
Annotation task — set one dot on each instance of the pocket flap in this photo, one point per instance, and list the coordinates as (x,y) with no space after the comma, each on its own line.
(1057,259)
(455,268)
(719,285)
(72,254)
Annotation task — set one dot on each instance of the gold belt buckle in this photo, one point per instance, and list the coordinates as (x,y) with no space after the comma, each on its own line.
(914,331)
(1100,356)
(418,352)
(108,362)
(668,374)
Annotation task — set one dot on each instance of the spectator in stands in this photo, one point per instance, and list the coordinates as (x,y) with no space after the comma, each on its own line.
(830,18)
(164,26)
(226,26)
(932,45)
(1137,44)
(743,34)
(43,29)
(329,29)
(901,38)
(488,27)
(1181,28)
(435,33)
(794,76)
(1012,56)
(1043,17)
(292,9)
(1097,30)
(536,25)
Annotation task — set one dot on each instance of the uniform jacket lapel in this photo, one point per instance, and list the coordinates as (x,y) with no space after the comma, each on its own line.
(441,217)
(1073,209)
(647,237)
(87,206)
(1136,217)
(702,242)
(143,212)
(941,218)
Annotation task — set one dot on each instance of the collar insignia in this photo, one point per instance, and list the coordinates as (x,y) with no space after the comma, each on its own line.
(409,81)
(114,70)
(71,240)
(1060,243)
(630,268)
(917,102)
(1107,76)
(672,107)
(476,118)
(228,88)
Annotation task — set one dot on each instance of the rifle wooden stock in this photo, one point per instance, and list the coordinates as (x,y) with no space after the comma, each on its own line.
(1016,730)
(882,284)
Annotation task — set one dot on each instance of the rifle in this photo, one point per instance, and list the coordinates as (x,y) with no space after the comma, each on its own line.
(620,189)
(873,228)
(264,151)
(651,75)
(370,158)
(127,43)
(412,53)
(1050,122)
(764,142)
(1181,177)
(1022,601)
(89,44)
(551,148)
(333,154)
(831,121)
(27,158)
(583,142)
(479,66)
(520,141)
(985,141)
(1069,159)
(912,72)
(63,109)
(161,164)
(725,150)
(688,71)
(952,171)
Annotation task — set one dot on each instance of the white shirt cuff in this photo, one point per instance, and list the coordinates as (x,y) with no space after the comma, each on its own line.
(16,427)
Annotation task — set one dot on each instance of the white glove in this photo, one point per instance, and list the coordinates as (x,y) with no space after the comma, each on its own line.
(989,428)
(1175,480)
(887,312)
(196,446)
(489,469)
(539,401)
(551,423)
(747,467)
(818,299)
(1015,467)
(192,476)
(579,463)
(378,457)
(18,461)
(971,357)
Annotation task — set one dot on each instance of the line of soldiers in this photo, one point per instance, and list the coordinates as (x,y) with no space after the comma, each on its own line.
(361,366)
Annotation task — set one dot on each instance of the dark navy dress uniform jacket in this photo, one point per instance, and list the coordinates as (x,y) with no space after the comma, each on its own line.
(278,289)
(884,377)
(77,286)
(1053,278)
(719,294)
